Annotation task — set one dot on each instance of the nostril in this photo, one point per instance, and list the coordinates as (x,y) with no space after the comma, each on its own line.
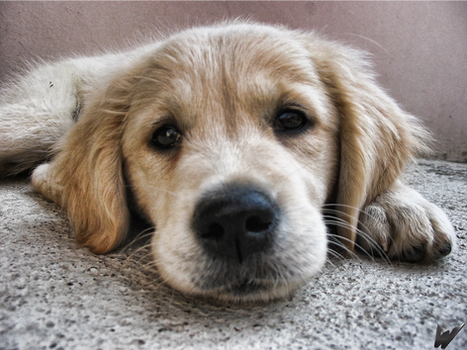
(259,223)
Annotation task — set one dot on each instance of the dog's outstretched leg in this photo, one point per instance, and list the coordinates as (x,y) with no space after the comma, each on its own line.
(35,112)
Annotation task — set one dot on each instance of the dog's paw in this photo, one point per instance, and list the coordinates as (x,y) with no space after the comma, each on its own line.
(404,226)
(42,181)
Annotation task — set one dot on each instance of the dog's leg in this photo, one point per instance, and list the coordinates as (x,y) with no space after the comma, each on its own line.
(405,226)
(34,113)
(44,182)
(39,107)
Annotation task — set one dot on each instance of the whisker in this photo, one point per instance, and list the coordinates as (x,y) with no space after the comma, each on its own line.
(360,248)
(147,232)
(361,230)
(144,250)
(339,243)
(332,254)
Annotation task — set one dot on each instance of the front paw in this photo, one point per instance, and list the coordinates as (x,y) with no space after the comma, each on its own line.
(404,226)
(43,182)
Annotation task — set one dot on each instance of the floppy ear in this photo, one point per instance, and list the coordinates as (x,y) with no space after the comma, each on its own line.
(86,176)
(377,138)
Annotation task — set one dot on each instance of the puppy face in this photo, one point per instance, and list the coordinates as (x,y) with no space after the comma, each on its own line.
(232,139)
(230,147)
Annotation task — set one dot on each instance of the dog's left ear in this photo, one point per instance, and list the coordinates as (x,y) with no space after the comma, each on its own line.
(377,138)
(86,176)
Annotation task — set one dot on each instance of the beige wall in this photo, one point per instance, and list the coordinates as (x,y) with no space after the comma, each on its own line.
(419,48)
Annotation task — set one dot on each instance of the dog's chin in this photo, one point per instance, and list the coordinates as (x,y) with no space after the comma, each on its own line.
(242,285)
(248,292)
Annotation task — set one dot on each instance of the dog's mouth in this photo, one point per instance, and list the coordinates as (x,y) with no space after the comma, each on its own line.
(262,278)
(258,278)
(242,247)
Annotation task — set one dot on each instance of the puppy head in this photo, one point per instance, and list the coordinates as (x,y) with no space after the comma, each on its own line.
(232,139)
(231,154)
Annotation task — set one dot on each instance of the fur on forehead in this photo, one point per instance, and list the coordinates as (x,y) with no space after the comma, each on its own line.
(200,74)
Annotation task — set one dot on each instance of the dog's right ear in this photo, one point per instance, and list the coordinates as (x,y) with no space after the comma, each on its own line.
(377,138)
(86,176)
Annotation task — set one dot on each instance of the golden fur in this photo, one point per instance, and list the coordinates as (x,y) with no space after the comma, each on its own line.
(223,87)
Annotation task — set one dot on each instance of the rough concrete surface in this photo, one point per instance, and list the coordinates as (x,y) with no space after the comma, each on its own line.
(54,295)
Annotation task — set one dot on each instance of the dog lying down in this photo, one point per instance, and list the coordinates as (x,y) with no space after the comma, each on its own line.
(239,142)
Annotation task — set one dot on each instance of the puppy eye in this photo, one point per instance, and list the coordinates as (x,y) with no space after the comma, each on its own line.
(291,120)
(166,136)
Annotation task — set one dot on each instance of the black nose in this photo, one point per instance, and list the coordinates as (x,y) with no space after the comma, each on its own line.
(235,221)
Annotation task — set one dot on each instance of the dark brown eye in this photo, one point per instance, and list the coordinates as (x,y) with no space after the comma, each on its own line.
(165,137)
(291,120)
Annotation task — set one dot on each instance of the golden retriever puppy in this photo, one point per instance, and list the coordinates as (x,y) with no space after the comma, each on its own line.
(233,141)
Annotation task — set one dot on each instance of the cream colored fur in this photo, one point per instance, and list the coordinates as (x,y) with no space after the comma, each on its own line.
(222,86)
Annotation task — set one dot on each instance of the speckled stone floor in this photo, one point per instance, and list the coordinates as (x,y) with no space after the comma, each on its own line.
(54,295)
